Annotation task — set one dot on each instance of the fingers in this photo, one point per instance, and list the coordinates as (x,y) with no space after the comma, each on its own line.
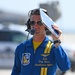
(57,29)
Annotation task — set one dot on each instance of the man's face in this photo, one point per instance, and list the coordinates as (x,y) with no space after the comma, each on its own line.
(36,24)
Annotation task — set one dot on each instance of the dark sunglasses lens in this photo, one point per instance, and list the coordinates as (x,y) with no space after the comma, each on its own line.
(32,23)
(40,23)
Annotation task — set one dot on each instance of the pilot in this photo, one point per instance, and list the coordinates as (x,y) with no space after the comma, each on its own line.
(45,55)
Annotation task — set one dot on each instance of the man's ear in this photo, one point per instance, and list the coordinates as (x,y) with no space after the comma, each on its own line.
(28,21)
(28,25)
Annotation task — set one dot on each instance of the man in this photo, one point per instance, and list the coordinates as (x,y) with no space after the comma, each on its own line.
(39,55)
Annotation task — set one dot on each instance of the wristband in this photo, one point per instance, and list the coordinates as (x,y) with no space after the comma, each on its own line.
(57,41)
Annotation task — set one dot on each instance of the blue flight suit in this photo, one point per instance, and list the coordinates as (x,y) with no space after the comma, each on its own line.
(41,62)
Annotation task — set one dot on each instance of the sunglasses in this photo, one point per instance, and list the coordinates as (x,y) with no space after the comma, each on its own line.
(32,23)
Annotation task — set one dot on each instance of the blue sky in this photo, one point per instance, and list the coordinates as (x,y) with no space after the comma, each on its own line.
(66,22)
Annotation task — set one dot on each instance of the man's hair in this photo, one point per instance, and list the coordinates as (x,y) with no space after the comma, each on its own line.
(36,12)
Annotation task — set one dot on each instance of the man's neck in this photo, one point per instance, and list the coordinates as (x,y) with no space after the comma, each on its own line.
(39,38)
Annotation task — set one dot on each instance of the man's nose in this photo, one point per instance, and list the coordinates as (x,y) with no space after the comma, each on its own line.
(36,24)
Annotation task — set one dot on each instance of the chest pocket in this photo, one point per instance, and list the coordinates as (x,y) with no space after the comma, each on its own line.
(47,50)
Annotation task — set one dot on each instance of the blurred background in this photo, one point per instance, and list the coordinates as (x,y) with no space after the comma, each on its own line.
(13,16)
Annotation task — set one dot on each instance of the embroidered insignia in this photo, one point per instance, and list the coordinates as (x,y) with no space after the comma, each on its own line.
(45,54)
(25,58)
